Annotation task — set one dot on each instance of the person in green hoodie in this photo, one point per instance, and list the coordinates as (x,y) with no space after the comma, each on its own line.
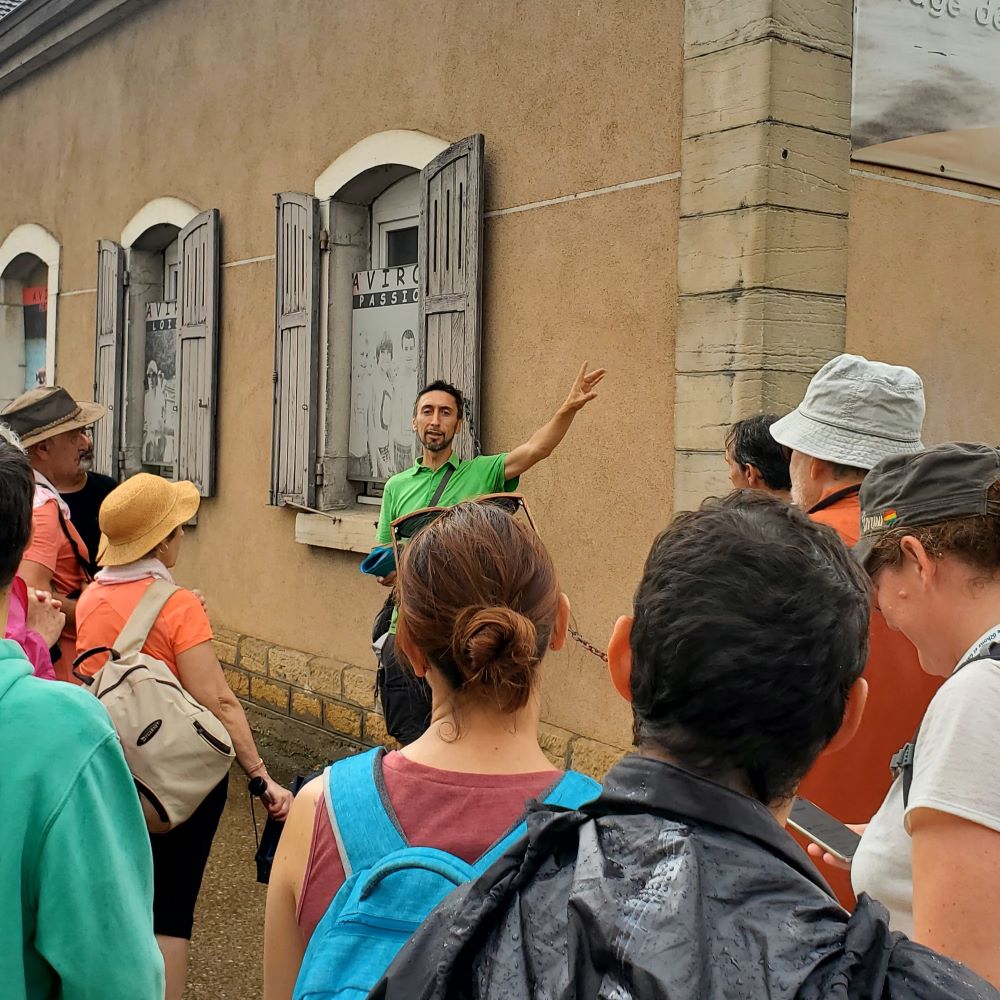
(76,872)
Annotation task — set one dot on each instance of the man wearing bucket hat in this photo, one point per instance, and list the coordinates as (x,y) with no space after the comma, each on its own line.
(855,413)
(51,426)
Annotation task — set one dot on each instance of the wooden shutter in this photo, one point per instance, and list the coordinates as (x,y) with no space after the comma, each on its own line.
(295,423)
(108,359)
(197,351)
(450,255)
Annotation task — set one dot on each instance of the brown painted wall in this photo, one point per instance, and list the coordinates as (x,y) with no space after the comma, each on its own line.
(923,290)
(224,103)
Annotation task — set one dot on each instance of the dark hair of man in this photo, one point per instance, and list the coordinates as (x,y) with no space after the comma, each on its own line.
(408,335)
(750,443)
(751,625)
(17,487)
(439,385)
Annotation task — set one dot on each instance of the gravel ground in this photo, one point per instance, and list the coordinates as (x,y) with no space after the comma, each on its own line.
(227,947)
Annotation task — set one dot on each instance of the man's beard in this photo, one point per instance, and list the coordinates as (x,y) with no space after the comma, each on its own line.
(438,445)
(87,461)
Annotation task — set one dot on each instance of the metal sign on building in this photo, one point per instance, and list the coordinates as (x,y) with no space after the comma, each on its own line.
(927,87)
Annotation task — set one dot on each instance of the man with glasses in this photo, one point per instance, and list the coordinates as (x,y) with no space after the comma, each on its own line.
(441,478)
(84,492)
(51,426)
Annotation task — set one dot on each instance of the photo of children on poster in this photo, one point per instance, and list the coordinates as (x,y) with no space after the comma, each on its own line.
(159,394)
(383,372)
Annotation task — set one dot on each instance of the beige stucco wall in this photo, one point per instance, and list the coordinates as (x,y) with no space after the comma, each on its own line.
(923,290)
(224,103)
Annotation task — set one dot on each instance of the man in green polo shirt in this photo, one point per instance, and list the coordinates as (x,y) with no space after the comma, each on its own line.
(437,419)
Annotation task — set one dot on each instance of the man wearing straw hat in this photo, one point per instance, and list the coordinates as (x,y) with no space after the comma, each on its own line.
(51,426)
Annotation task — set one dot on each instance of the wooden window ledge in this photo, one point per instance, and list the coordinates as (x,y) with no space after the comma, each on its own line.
(350,530)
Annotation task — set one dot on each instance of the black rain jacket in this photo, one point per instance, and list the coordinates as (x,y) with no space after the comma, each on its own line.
(666,886)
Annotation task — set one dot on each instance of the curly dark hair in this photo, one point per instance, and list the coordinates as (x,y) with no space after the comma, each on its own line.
(751,626)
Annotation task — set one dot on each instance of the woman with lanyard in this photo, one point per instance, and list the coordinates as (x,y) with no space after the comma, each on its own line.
(142,529)
(931,543)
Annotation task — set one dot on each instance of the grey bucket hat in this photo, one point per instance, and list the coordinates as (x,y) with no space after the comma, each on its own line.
(856,412)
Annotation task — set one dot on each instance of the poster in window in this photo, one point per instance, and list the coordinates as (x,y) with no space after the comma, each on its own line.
(926,87)
(35,306)
(383,372)
(159,388)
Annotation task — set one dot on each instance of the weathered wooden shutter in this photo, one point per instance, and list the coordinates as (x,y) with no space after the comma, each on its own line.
(108,359)
(450,255)
(198,351)
(296,351)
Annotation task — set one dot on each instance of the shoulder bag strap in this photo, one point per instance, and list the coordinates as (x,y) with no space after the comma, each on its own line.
(362,828)
(133,636)
(904,758)
(439,492)
(83,563)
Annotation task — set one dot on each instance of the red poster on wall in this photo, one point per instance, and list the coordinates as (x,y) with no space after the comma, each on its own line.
(35,301)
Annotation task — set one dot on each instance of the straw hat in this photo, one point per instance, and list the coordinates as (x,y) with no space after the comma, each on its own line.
(40,414)
(136,516)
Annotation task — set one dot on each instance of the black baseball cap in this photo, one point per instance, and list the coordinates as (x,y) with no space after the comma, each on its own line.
(943,483)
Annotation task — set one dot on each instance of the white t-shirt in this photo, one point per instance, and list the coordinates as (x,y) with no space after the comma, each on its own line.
(954,772)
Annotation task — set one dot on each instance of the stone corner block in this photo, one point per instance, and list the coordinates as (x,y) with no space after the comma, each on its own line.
(307,707)
(238,681)
(273,694)
(342,719)
(326,676)
(253,654)
(359,686)
(289,665)
(375,732)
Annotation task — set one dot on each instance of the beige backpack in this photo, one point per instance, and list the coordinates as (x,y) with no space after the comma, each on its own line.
(175,748)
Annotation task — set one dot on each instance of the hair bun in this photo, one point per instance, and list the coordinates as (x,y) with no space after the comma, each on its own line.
(496,649)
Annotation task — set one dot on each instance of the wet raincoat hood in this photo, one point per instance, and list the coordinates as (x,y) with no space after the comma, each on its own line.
(667,886)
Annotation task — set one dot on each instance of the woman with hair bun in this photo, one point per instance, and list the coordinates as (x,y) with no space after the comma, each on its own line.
(479,607)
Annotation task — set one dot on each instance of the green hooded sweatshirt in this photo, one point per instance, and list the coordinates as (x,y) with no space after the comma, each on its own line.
(76,870)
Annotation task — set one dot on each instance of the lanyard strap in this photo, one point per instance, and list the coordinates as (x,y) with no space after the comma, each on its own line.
(848,491)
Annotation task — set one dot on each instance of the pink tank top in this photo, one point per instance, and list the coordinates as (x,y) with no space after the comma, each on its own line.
(464,814)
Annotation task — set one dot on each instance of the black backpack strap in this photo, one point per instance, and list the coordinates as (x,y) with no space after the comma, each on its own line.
(83,563)
(439,492)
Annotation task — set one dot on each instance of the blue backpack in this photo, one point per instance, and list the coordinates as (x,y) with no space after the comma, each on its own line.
(391,887)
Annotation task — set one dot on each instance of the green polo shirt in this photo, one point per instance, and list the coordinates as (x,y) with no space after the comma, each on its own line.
(413,489)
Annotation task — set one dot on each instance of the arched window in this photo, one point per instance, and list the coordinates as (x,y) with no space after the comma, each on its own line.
(29,291)
(157,344)
(349,347)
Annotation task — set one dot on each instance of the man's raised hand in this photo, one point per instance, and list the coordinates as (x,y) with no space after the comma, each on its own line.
(584,387)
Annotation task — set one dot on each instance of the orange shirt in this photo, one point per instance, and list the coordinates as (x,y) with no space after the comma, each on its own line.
(852,782)
(49,547)
(105,607)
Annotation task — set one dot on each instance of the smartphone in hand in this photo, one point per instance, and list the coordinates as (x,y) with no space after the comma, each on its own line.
(820,827)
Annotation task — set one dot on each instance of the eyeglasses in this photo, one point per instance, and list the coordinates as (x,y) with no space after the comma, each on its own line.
(405,528)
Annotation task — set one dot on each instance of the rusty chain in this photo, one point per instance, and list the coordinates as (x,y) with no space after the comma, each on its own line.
(587,645)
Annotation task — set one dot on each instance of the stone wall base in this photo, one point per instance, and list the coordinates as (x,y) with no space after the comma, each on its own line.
(331,696)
